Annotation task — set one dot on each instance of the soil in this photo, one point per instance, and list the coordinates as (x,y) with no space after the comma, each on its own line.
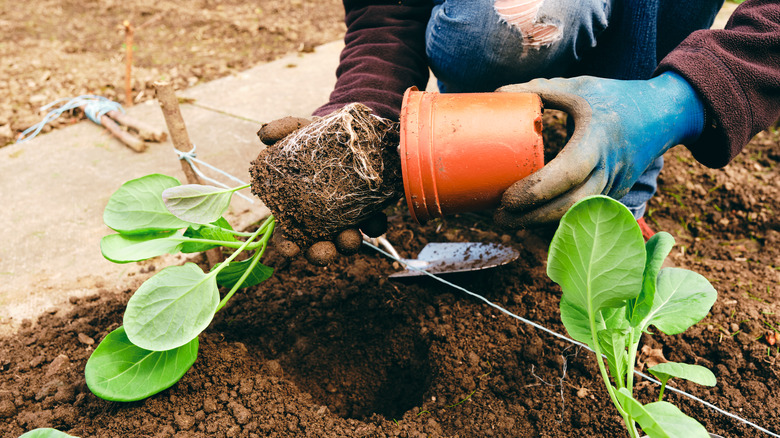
(54,49)
(329,175)
(340,351)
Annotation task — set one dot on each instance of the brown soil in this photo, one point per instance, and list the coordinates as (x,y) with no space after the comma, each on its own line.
(342,351)
(54,49)
(330,174)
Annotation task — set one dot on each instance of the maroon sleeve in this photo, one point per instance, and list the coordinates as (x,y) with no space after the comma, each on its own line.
(737,73)
(383,56)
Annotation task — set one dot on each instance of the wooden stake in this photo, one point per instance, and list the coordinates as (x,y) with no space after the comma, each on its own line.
(128,64)
(181,140)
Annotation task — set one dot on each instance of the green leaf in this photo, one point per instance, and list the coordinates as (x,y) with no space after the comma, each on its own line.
(672,419)
(229,275)
(658,248)
(614,346)
(119,371)
(660,419)
(123,248)
(638,413)
(196,203)
(695,373)
(171,308)
(682,299)
(46,433)
(137,206)
(597,256)
(207,232)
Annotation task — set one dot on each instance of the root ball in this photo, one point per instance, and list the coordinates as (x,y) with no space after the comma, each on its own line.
(330,175)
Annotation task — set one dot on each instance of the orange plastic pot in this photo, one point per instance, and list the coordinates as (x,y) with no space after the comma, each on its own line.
(460,152)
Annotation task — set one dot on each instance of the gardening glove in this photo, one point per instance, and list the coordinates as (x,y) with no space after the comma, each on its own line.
(621,127)
(324,252)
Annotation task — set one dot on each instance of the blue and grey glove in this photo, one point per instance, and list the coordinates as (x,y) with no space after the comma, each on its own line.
(621,127)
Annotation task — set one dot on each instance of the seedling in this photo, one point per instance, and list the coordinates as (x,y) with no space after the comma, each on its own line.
(613,290)
(158,343)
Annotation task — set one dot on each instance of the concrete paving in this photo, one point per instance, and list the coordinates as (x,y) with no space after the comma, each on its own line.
(54,188)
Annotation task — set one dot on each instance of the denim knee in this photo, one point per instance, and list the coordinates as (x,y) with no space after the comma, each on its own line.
(480,45)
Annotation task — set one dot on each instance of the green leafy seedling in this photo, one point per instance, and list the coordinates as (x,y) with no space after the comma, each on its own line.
(613,290)
(158,342)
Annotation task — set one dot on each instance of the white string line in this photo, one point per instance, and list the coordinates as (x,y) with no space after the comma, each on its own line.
(191,158)
(567,339)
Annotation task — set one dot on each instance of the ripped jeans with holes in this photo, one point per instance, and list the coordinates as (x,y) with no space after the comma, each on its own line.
(481,45)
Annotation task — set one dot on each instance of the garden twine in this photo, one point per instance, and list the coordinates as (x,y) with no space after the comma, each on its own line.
(191,158)
(94,108)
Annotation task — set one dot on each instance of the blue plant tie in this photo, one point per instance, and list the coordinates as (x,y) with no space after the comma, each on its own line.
(94,108)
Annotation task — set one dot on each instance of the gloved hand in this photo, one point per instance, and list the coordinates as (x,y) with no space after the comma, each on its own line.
(620,128)
(324,252)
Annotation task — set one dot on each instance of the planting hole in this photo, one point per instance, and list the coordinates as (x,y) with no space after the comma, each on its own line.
(359,366)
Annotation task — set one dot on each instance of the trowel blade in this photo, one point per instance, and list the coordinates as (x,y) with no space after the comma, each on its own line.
(450,257)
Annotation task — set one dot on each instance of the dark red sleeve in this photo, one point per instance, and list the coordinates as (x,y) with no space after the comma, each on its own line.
(383,56)
(737,73)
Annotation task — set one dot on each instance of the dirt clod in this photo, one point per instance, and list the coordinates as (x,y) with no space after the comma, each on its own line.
(286,248)
(7,409)
(270,133)
(322,253)
(348,241)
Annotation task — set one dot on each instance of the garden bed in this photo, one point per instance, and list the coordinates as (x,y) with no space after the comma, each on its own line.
(342,351)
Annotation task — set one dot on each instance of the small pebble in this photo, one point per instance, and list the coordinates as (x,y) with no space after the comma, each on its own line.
(240,413)
(84,339)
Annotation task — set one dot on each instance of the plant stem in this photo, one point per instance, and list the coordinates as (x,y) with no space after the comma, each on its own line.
(241,246)
(633,345)
(605,376)
(224,243)
(255,260)
(661,392)
(228,230)
(246,244)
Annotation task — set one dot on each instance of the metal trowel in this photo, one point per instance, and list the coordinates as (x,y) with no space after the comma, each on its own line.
(451,257)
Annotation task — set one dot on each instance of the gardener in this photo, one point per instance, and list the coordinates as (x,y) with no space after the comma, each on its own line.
(712,90)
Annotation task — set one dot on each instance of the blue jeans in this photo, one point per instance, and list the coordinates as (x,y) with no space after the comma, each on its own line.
(478,45)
